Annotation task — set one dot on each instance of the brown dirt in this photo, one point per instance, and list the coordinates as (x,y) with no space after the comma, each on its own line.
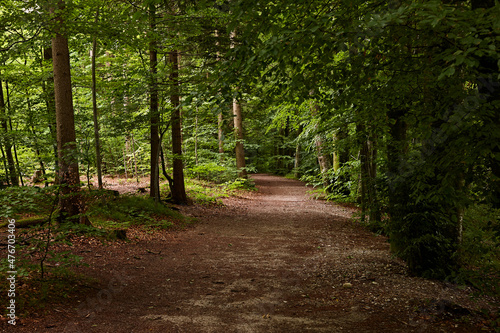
(272,261)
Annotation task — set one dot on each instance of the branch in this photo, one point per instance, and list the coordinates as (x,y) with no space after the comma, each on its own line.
(22,41)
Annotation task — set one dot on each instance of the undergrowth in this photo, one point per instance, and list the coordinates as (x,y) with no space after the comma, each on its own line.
(210,193)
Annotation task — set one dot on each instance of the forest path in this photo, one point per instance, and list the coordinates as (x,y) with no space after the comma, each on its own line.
(272,261)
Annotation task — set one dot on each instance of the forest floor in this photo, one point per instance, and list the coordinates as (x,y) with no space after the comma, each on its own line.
(269,261)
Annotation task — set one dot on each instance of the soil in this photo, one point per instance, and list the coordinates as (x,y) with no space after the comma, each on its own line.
(270,261)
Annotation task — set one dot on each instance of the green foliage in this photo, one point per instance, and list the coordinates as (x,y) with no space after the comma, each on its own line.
(205,192)
(211,172)
(344,183)
(241,184)
(132,210)
(480,249)
(209,193)
(15,201)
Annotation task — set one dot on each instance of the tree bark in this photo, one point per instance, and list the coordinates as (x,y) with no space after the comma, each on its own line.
(368,196)
(18,166)
(323,160)
(6,168)
(70,203)
(397,149)
(48,89)
(238,130)
(238,133)
(179,191)
(8,145)
(196,138)
(220,135)
(296,165)
(154,185)
(95,112)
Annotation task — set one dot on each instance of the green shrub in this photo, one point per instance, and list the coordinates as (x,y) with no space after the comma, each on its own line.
(480,249)
(128,210)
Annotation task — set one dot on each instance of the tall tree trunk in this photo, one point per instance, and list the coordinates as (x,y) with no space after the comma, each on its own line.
(363,183)
(6,168)
(296,165)
(154,191)
(397,149)
(369,201)
(95,112)
(196,137)
(179,191)
(37,151)
(18,166)
(8,145)
(48,90)
(220,135)
(220,116)
(70,202)
(35,141)
(238,133)
(374,213)
(136,173)
(238,129)
(323,160)
(340,156)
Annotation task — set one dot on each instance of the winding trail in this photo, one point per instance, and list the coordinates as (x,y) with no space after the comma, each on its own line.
(273,261)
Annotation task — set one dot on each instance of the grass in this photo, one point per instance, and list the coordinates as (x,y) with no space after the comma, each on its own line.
(132,210)
(207,193)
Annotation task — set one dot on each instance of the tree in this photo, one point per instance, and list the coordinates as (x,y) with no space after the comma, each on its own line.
(95,110)
(14,180)
(70,203)
(238,133)
(238,130)
(154,185)
(178,190)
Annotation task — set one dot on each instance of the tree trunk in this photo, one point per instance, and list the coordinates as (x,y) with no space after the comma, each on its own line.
(238,133)
(35,142)
(95,112)
(48,89)
(136,173)
(323,160)
(238,130)
(70,203)
(8,145)
(397,149)
(368,196)
(296,166)
(179,191)
(6,168)
(18,166)
(220,134)
(196,138)
(220,116)
(154,185)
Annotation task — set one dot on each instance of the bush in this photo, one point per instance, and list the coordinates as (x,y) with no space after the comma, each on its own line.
(480,249)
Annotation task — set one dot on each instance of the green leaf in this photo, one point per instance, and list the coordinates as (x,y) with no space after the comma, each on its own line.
(448,72)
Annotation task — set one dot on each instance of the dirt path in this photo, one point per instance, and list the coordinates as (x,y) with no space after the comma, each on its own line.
(275,261)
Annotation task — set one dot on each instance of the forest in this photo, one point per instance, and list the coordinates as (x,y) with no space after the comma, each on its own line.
(392,107)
